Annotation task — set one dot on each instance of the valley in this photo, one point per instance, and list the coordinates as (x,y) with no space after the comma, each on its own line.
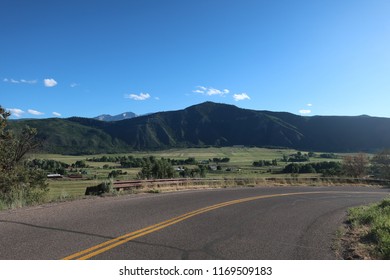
(240,165)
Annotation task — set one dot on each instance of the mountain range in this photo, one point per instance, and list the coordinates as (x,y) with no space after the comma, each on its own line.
(212,124)
(120,117)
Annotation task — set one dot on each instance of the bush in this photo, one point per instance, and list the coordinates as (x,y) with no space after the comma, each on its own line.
(49,165)
(116,173)
(381,164)
(326,168)
(20,184)
(20,187)
(355,166)
(80,164)
(262,163)
(105,187)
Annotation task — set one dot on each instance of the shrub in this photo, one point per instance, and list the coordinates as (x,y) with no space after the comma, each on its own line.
(355,166)
(20,187)
(20,184)
(381,164)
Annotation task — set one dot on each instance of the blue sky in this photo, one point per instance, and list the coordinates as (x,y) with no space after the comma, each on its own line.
(86,58)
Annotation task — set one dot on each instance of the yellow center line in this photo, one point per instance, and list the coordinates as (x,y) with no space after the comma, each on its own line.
(110,244)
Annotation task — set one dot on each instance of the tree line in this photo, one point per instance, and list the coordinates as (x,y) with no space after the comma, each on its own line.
(355,166)
(154,168)
(330,168)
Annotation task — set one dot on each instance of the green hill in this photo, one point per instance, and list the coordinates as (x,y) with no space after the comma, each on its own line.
(213,124)
(67,137)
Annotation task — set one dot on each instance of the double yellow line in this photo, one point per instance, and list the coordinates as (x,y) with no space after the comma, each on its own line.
(110,244)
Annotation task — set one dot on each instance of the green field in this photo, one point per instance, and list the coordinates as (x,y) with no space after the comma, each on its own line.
(240,165)
(237,154)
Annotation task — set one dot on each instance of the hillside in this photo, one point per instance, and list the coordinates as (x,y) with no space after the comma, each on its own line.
(213,124)
(66,137)
(207,124)
(340,133)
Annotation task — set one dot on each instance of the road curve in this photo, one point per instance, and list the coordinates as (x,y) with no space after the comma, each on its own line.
(238,223)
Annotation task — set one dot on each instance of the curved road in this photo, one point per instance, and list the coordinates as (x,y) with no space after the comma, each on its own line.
(239,223)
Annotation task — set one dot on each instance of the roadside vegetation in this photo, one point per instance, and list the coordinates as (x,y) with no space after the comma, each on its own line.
(367,235)
(20,185)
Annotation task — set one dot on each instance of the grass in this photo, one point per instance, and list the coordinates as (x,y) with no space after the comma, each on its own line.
(238,155)
(372,225)
(21,198)
(240,158)
(64,189)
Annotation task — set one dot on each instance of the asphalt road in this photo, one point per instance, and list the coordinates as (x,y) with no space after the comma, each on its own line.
(240,223)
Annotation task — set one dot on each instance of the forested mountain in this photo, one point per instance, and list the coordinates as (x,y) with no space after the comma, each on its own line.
(213,124)
(67,137)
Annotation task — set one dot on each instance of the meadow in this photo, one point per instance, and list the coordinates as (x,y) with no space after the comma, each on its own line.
(240,165)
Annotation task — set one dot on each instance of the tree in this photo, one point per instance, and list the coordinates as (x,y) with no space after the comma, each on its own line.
(292,168)
(355,166)
(19,185)
(298,157)
(156,169)
(79,164)
(381,164)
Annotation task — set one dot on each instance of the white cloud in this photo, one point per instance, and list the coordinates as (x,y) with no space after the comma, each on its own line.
(16,112)
(22,81)
(50,82)
(56,114)
(140,97)
(309,104)
(34,112)
(241,96)
(214,91)
(200,89)
(304,111)
(72,85)
(210,91)
(28,81)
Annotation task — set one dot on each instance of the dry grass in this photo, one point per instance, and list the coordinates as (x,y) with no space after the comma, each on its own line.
(353,246)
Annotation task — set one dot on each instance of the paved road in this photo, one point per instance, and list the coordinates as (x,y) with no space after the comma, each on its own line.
(239,223)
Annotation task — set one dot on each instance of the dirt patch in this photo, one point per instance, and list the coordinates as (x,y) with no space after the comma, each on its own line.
(352,243)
